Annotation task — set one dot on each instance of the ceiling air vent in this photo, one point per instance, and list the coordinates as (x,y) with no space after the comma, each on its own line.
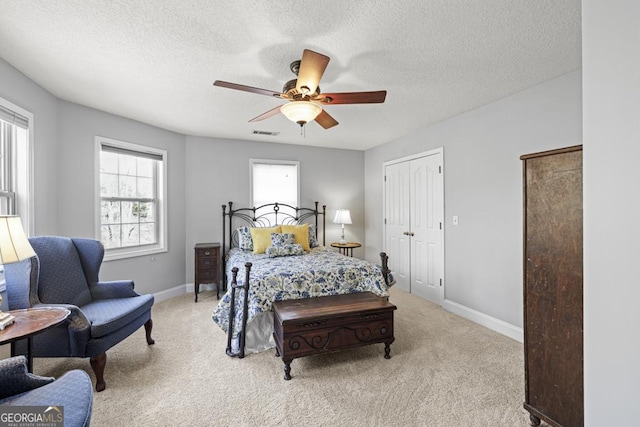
(264,132)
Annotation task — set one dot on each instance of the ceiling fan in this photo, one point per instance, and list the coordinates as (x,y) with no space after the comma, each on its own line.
(304,96)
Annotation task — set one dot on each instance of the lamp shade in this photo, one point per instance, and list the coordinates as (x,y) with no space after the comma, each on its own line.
(301,112)
(14,245)
(343,216)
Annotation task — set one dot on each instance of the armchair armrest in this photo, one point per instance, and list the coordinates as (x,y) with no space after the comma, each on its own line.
(14,378)
(79,328)
(113,289)
(77,319)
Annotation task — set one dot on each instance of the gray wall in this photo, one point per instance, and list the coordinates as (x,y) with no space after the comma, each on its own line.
(20,90)
(77,128)
(611,233)
(64,174)
(218,172)
(483,186)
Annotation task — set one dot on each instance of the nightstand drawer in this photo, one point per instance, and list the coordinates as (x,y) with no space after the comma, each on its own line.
(207,262)
(207,275)
(207,253)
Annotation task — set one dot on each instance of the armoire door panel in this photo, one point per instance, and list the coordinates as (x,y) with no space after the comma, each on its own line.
(553,280)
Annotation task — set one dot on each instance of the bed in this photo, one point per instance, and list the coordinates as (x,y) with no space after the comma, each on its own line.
(253,281)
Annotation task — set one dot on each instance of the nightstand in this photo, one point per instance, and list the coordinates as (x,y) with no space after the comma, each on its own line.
(207,266)
(346,248)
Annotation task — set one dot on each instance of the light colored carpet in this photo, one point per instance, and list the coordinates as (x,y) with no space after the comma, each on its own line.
(444,371)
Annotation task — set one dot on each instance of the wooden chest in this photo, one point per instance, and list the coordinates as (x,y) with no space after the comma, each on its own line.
(311,326)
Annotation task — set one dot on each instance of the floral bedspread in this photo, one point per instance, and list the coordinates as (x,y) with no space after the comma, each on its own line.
(319,272)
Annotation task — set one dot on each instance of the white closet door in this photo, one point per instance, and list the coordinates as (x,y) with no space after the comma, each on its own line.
(414,213)
(397,223)
(425,210)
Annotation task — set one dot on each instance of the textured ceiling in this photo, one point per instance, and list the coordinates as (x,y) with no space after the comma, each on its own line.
(156,60)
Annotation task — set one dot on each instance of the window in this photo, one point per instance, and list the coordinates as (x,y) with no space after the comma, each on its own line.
(16,130)
(15,127)
(275,181)
(132,196)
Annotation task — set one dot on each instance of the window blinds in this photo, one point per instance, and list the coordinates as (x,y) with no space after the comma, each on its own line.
(120,150)
(14,118)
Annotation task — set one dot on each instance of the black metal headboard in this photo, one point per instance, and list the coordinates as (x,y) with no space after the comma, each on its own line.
(266,216)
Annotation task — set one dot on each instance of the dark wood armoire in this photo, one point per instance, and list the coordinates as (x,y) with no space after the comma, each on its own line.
(553,336)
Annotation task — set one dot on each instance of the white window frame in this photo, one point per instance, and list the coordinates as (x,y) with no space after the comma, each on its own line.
(134,251)
(22,174)
(295,163)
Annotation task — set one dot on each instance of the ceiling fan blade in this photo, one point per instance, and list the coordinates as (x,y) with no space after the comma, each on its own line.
(266,115)
(375,97)
(325,120)
(312,66)
(246,88)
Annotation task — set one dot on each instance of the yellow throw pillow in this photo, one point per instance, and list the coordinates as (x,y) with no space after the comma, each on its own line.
(300,234)
(261,237)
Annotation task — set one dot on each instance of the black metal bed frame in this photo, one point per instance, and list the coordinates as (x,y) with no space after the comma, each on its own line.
(232,310)
(261,216)
(264,216)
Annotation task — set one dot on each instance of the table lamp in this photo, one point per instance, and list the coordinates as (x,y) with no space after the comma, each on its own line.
(14,247)
(343,216)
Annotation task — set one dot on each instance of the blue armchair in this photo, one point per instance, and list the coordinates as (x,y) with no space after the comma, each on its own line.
(64,273)
(72,391)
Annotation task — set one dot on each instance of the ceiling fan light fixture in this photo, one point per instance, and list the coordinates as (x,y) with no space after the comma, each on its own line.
(301,112)
(305,99)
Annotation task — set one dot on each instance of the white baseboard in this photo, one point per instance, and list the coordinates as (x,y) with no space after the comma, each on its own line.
(180,290)
(203,287)
(485,320)
(170,293)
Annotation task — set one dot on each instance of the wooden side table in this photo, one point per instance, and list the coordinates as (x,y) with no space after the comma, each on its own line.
(207,266)
(346,248)
(29,322)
